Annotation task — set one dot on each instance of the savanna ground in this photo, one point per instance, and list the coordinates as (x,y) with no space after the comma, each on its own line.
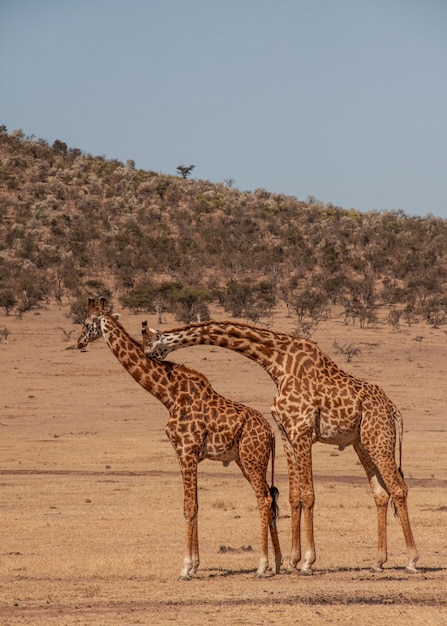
(92,527)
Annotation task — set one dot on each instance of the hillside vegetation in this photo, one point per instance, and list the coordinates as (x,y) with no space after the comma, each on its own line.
(73,224)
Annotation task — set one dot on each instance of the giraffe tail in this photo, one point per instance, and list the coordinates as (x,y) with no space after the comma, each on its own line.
(274,492)
(400,433)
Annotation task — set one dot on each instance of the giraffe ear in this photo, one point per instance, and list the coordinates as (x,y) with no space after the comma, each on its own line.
(116,316)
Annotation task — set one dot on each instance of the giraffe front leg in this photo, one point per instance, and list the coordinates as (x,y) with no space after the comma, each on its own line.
(309,556)
(294,498)
(190,509)
(191,559)
(295,514)
(303,454)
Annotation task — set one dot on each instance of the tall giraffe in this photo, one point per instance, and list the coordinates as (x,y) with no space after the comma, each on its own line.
(315,401)
(202,425)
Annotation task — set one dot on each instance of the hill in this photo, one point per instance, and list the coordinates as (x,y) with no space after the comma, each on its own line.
(73,223)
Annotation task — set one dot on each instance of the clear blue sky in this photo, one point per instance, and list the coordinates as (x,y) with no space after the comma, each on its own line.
(344,100)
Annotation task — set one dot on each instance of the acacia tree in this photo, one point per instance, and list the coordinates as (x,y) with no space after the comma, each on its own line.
(393,318)
(252,301)
(190,303)
(148,296)
(360,304)
(8,299)
(307,302)
(348,350)
(185,170)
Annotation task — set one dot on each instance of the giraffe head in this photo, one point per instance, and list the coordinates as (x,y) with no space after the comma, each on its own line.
(91,329)
(153,342)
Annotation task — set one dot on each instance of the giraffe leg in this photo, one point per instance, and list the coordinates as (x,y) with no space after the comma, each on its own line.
(303,454)
(255,472)
(294,497)
(190,510)
(265,509)
(381,498)
(385,462)
(402,511)
(399,492)
(275,543)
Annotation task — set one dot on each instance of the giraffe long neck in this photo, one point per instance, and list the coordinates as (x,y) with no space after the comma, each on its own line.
(154,376)
(273,351)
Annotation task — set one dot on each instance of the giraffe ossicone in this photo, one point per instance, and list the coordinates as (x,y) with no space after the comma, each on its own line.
(316,401)
(202,425)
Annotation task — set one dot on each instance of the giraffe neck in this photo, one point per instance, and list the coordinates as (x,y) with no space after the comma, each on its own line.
(154,376)
(270,350)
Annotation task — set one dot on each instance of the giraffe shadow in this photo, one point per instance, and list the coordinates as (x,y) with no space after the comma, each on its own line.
(222,572)
(364,573)
(391,573)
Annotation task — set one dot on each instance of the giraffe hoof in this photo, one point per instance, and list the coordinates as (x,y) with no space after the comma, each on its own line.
(188,573)
(410,569)
(183,577)
(305,572)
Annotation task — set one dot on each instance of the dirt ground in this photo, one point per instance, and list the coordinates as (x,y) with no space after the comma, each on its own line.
(92,527)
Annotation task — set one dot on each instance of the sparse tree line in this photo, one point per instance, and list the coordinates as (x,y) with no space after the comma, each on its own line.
(73,224)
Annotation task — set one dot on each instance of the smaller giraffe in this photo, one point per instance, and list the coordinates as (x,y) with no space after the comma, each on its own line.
(202,425)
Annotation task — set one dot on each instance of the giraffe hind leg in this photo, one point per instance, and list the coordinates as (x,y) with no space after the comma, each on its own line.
(398,490)
(264,507)
(256,474)
(274,493)
(381,499)
(399,497)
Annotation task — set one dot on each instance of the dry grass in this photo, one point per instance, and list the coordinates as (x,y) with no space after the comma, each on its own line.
(91,497)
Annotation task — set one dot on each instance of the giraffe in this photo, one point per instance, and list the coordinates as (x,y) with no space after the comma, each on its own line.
(202,425)
(316,401)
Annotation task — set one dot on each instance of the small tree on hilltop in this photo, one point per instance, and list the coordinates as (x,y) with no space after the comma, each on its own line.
(185,170)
